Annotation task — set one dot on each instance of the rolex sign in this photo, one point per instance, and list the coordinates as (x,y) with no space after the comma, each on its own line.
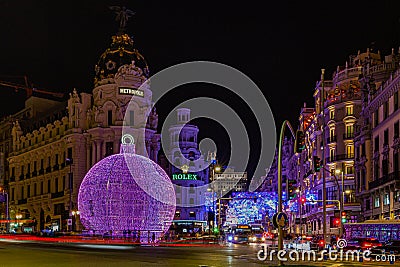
(184,176)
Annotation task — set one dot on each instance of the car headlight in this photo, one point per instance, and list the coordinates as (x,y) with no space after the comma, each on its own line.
(263,239)
(253,238)
(236,238)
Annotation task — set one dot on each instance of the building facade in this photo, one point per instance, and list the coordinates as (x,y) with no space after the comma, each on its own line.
(42,185)
(377,139)
(189,171)
(330,137)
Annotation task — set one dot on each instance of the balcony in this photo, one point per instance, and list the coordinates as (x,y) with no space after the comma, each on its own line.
(394,176)
(331,139)
(48,169)
(348,136)
(56,167)
(22,201)
(41,172)
(12,179)
(28,175)
(34,173)
(57,194)
(21,177)
(340,157)
(62,165)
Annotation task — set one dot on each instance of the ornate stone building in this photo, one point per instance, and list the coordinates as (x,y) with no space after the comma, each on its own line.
(85,128)
(193,171)
(337,108)
(377,139)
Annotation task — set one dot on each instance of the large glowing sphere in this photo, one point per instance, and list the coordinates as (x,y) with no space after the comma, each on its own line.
(114,196)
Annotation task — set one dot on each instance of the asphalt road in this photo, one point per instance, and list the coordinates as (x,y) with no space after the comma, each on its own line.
(38,254)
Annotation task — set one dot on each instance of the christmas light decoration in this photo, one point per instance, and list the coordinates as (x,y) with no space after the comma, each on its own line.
(247,207)
(111,200)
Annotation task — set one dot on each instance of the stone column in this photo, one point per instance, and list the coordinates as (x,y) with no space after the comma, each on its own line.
(94,157)
(98,150)
(116,145)
(88,156)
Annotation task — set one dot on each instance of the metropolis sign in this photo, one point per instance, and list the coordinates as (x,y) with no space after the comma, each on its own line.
(184,176)
(130,91)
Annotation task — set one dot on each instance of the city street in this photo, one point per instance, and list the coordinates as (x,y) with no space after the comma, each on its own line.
(17,253)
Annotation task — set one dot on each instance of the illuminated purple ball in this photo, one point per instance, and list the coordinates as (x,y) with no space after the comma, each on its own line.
(117,194)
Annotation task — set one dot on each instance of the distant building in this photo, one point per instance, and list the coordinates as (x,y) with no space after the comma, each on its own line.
(222,185)
(229,181)
(189,172)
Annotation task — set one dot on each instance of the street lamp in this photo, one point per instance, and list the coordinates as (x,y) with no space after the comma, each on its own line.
(214,169)
(281,139)
(74,214)
(69,162)
(18,216)
(219,209)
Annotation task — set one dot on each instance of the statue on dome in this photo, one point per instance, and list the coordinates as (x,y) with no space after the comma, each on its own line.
(123,15)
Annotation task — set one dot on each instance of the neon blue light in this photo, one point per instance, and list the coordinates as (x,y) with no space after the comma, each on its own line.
(247,207)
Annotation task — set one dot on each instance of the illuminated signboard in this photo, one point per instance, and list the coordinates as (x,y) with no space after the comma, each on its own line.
(130,91)
(243,226)
(184,176)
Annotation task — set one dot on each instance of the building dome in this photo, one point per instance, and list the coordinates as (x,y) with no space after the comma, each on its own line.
(116,195)
(121,52)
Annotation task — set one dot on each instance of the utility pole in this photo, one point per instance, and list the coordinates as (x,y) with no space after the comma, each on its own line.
(323,157)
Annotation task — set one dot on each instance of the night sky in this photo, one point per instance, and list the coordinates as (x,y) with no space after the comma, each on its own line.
(281,47)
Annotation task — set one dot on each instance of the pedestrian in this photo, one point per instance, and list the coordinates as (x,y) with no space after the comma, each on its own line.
(153,239)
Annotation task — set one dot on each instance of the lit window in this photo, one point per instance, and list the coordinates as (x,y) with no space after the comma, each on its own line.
(350,151)
(349,110)
(332,114)
(377,202)
(386,200)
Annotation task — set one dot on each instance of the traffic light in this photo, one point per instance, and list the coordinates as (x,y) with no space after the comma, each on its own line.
(336,222)
(303,200)
(292,189)
(300,143)
(316,163)
(344,217)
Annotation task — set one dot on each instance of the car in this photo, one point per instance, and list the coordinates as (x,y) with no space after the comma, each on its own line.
(389,247)
(362,243)
(269,235)
(238,238)
(316,242)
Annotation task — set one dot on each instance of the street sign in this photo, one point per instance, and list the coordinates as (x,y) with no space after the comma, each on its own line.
(274,220)
(281,219)
(69,222)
